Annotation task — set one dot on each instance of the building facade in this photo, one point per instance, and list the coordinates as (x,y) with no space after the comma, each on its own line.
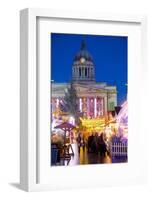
(95,99)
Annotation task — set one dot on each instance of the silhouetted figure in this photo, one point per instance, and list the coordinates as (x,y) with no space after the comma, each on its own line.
(82,142)
(93,143)
(79,141)
(101,145)
(90,140)
(96,147)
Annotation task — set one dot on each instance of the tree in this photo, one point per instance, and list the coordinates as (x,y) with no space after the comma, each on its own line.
(70,103)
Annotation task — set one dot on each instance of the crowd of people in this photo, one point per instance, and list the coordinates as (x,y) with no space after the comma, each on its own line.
(95,143)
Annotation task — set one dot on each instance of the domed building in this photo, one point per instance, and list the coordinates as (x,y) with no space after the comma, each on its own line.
(95,99)
(83,67)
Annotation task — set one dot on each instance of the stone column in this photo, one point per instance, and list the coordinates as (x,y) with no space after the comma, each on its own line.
(95,107)
(102,106)
(87,72)
(76,73)
(105,104)
(87,106)
(92,106)
(80,104)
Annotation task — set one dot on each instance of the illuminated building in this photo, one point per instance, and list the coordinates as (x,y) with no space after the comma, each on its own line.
(95,99)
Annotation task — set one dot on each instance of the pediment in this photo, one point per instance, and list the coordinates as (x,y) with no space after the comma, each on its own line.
(89,89)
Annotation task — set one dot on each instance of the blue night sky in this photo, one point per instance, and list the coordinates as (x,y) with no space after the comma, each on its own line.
(109,56)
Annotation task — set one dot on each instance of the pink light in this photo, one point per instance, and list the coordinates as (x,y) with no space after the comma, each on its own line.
(80,105)
(95,108)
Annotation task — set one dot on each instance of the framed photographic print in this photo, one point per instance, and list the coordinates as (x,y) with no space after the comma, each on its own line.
(82,77)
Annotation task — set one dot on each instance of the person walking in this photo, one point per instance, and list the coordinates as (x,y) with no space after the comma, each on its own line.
(93,143)
(79,141)
(101,145)
(83,142)
(96,143)
(90,140)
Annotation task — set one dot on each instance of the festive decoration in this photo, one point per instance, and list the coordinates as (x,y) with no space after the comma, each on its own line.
(70,103)
(122,120)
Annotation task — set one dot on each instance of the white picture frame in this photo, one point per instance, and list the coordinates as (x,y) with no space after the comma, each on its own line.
(29,148)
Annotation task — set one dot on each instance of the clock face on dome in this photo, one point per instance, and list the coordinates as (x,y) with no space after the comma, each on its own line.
(82,60)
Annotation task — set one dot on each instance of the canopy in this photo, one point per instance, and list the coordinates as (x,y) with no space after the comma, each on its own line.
(65,126)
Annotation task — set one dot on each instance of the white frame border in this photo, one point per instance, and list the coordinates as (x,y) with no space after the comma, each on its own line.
(28,82)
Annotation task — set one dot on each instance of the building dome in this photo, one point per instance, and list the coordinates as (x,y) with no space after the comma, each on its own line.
(83,53)
(83,66)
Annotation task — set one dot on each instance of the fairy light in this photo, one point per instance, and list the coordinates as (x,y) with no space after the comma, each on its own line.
(72,120)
